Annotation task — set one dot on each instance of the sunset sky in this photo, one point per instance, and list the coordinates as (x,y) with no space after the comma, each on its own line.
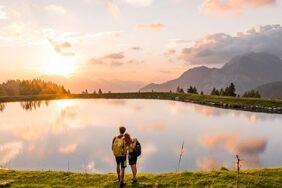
(138,40)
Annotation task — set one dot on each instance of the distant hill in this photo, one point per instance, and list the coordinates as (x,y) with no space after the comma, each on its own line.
(79,84)
(270,90)
(246,71)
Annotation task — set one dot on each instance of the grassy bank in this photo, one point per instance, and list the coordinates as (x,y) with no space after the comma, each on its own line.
(222,178)
(238,103)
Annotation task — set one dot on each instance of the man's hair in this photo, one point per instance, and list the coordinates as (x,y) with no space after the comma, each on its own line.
(122,130)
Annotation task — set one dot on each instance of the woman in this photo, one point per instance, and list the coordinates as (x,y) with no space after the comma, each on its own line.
(132,157)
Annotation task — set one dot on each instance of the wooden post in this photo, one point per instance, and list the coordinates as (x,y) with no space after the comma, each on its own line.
(238,160)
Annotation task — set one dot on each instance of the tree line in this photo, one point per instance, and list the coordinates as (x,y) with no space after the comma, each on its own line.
(230,90)
(30,87)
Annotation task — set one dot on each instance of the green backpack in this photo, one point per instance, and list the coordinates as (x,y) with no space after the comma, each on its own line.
(119,147)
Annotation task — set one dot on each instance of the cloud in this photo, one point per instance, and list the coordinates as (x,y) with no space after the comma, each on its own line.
(55,9)
(9,151)
(116,63)
(3,13)
(223,6)
(114,59)
(141,3)
(137,48)
(95,61)
(112,8)
(220,47)
(170,55)
(114,56)
(60,48)
(68,149)
(152,26)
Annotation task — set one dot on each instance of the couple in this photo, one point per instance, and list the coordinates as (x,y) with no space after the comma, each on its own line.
(122,146)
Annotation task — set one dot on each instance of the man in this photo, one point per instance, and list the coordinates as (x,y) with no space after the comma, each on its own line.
(119,151)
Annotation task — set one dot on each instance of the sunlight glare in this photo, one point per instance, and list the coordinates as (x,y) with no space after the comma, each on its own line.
(60,65)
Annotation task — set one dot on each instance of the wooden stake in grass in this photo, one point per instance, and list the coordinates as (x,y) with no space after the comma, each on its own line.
(180,156)
(238,160)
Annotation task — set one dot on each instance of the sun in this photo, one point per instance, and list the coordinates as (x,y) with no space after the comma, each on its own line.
(60,65)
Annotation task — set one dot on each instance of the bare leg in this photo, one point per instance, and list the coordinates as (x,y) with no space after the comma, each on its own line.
(122,175)
(118,172)
(134,171)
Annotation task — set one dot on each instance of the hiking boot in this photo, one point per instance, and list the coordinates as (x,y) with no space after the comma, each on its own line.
(122,184)
(133,180)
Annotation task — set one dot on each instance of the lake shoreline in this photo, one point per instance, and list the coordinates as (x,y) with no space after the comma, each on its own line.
(235,103)
(268,177)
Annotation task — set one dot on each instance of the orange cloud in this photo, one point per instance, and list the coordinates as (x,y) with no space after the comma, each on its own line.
(68,149)
(114,56)
(152,26)
(223,6)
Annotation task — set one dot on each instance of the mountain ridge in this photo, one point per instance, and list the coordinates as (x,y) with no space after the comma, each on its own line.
(246,71)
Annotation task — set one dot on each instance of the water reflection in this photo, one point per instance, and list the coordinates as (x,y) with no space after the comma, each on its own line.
(77,134)
(2,107)
(33,105)
(248,148)
(9,151)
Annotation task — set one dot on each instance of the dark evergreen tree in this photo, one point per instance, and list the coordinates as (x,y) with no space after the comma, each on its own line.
(252,94)
(100,91)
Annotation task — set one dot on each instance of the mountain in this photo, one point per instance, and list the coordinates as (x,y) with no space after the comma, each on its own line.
(79,84)
(246,72)
(270,90)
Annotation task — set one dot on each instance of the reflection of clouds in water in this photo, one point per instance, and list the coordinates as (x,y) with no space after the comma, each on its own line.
(252,117)
(147,150)
(208,111)
(9,151)
(249,149)
(137,108)
(208,163)
(29,132)
(67,113)
(119,102)
(90,167)
(68,148)
(152,128)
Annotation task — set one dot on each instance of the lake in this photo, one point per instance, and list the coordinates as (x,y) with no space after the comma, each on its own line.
(76,135)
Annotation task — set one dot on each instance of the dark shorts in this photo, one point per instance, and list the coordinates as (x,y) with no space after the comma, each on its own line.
(121,161)
(132,159)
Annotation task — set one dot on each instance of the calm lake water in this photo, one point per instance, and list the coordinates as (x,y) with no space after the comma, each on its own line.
(77,134)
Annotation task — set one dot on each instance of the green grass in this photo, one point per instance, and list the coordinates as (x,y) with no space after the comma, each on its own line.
(238,103)
(221,178)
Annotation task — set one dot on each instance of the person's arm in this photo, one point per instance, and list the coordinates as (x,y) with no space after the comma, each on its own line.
(113,142)
(133,144)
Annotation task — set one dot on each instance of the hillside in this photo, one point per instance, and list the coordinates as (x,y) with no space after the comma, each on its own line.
(246,72)
(78,84)
(221,178)
(270,90)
